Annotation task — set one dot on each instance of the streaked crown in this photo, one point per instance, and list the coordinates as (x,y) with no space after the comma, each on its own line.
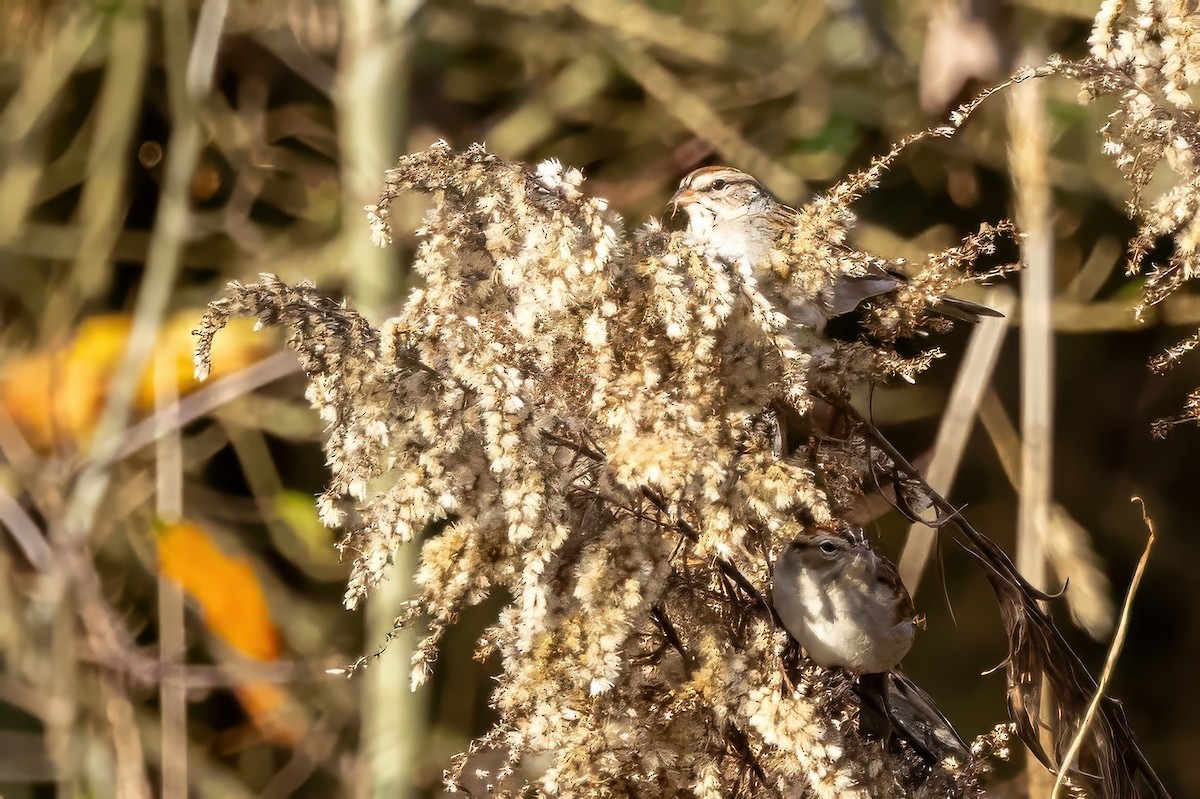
(717,179)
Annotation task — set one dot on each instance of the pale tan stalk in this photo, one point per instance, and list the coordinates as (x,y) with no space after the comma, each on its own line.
(1034,214)
(371,107)
(1110,660)
(172,645)
(979,361)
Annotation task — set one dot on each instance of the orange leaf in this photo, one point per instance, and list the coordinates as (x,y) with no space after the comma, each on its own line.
(233,606)
(277,716)
(224,587)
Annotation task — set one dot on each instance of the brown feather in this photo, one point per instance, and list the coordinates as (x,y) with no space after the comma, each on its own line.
(889,575)
(850,291)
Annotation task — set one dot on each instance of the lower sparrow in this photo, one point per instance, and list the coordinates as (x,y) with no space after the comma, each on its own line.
(847,607)
(843,603)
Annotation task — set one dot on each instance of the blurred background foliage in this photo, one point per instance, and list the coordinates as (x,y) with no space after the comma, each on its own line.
(168,597)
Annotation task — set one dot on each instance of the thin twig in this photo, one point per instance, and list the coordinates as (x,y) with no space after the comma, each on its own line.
(131,780)
(727,568)
(315,749)
(102,204)
(1110,662)
(735,737)
(206,400)
(998,561)
(15,448)
(145,672)
(28,110)
(172,644)
(682,525)
(25,531)
(162,263)
(672,637)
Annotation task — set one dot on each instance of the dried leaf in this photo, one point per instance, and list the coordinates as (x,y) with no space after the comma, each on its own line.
(224,587)
(234,608)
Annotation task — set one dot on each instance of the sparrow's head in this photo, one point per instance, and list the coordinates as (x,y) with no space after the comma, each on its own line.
(831,556)
(713,196)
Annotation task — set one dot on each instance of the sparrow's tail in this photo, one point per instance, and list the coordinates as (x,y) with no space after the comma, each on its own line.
(892,703)
(964,310)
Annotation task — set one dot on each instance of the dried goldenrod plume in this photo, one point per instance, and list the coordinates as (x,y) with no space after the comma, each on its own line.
(1146,55)
(619,434)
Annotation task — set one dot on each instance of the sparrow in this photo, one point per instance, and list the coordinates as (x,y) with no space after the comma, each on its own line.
(733,217)
(843,603)
(847,608)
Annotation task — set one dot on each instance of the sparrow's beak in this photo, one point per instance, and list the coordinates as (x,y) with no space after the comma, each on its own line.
(682,197)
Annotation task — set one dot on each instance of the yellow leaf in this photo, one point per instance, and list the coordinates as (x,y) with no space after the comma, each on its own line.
(56,395)
(237,347)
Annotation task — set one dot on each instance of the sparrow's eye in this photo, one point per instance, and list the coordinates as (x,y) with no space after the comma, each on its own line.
(828,547)
(717,185)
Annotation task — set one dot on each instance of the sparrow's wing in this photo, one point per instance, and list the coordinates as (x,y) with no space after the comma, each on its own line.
(849,292)
(921,716)
(887,573)
(964,310)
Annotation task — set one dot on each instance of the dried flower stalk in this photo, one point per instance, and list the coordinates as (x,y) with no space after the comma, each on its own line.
(592,418)
(619,433)
(1146,55)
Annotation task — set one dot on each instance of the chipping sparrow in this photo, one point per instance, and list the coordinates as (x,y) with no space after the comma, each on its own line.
(733,217)
(847,607)
(843,603)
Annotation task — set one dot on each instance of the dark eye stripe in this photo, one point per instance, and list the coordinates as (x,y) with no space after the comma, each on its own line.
(724,183)
(817,542)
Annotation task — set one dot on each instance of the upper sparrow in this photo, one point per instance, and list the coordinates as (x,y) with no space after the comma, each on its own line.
(737,220)
(843,603)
